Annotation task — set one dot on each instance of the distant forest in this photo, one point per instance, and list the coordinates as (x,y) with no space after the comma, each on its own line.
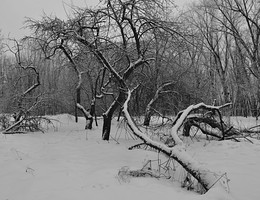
(172,58)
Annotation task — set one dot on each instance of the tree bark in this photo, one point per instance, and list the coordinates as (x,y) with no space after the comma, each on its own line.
(147,117)
(107,119)
(107,116)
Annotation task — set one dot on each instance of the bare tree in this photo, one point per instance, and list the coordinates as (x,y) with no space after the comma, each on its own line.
(28,99)
(241,20)
(217,42)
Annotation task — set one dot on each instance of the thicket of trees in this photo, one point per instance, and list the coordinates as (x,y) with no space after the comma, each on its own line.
(207,53)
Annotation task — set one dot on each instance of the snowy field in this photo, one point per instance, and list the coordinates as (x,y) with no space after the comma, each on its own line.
(68,162)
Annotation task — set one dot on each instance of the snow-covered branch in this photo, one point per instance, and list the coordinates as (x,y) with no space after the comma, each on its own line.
(178,152)
(86,113)
(197,107)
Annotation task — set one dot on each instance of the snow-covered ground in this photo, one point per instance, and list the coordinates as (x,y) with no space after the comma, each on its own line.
(69,162)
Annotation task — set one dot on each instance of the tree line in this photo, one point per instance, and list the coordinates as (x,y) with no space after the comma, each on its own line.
(84,64)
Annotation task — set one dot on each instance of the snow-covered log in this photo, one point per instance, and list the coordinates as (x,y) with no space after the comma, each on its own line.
(178,152)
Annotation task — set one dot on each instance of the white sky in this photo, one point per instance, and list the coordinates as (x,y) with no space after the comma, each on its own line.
(13,12)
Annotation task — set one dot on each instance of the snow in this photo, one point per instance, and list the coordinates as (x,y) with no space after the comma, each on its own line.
(239,160)
(68,162)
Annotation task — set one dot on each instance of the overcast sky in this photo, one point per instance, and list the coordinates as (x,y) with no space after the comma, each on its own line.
(13,12)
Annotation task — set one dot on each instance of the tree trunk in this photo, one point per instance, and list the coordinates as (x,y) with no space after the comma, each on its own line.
(147,117)
(76,113)
(119,115)
(226,95)
(106,126)
(107,116)
(77,102)
(93,110)
(89,122)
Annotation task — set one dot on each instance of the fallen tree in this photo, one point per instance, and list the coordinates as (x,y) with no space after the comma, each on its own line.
(27,124)
(210,126)
(204,176)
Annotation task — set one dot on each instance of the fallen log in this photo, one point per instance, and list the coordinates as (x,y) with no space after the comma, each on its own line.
(204,176)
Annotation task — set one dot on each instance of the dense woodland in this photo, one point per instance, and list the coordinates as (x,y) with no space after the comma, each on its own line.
(208,53)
